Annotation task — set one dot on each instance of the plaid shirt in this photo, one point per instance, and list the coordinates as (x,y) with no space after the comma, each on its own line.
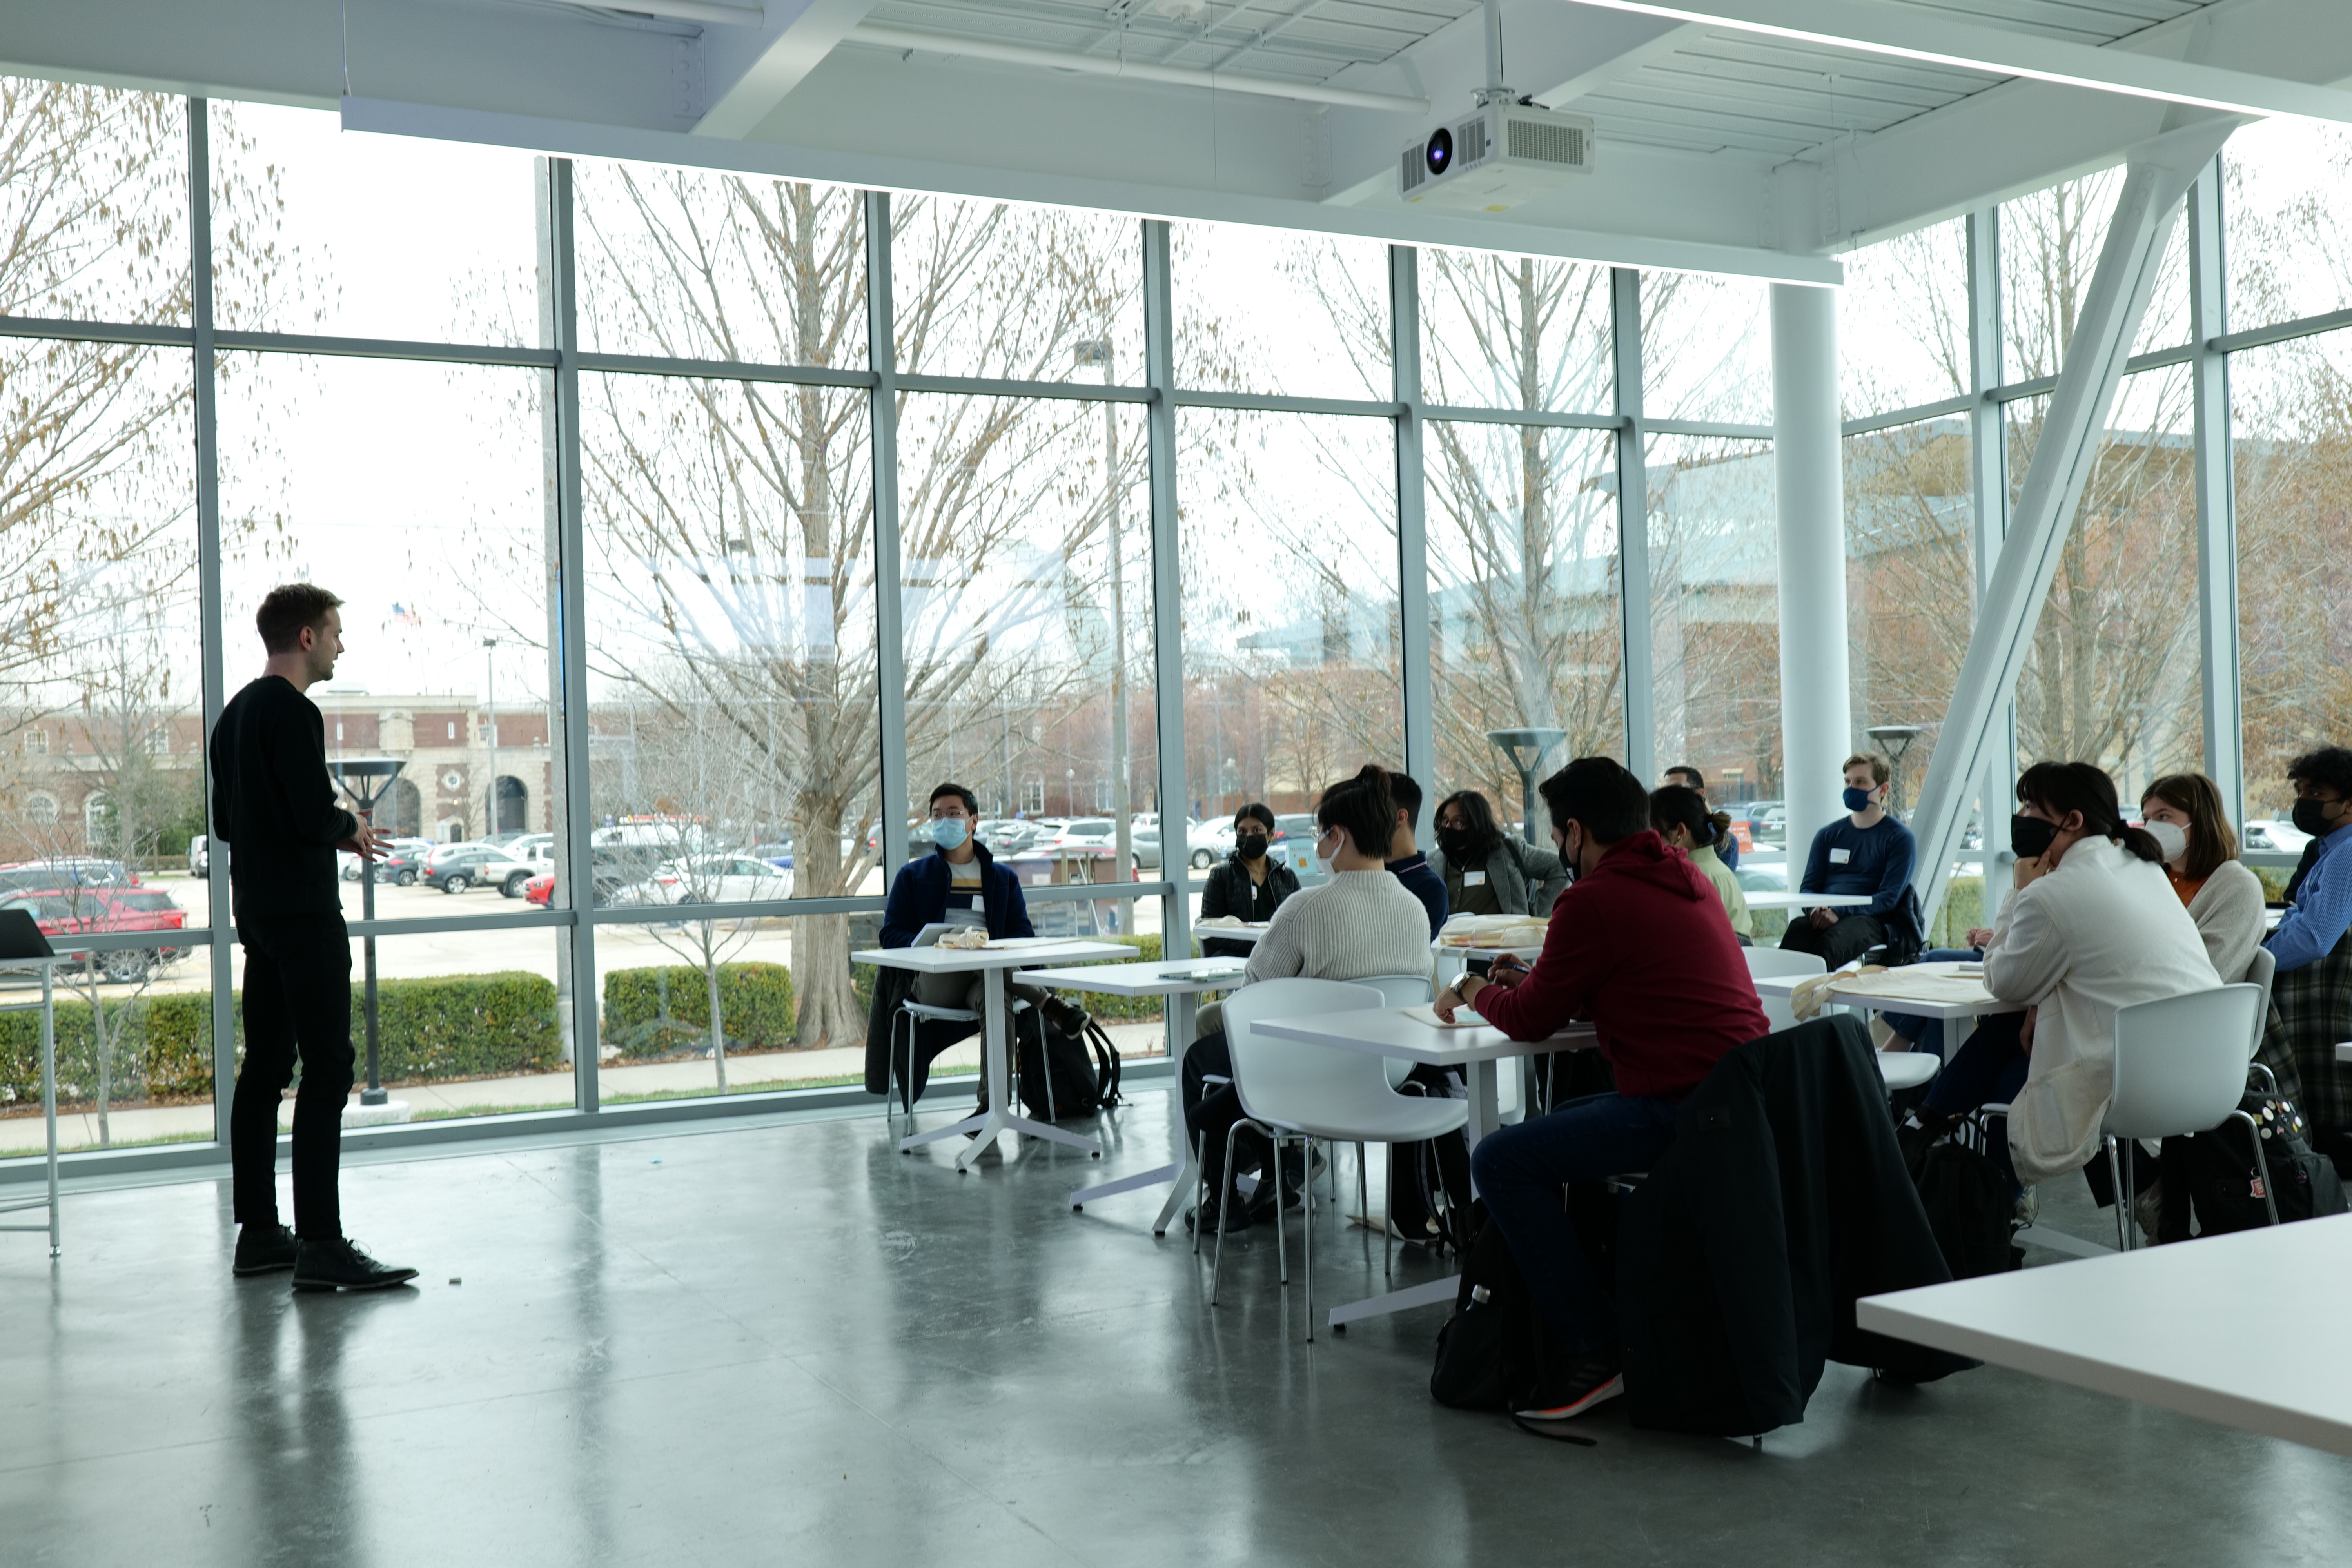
(2311,1010)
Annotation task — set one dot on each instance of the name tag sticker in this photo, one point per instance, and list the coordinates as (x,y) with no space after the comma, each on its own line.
(1473,879)
(1840,856)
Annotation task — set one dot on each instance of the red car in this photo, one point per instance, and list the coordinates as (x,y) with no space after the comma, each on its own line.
(60,913)
(541,889)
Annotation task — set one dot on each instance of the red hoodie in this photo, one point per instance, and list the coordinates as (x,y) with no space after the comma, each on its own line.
(1640,947)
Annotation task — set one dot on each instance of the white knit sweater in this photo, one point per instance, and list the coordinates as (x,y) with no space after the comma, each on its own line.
(1357,925)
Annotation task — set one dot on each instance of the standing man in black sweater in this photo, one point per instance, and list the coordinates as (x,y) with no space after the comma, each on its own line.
(275,808)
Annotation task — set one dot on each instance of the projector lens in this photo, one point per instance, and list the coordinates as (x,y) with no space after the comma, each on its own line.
(1439,154)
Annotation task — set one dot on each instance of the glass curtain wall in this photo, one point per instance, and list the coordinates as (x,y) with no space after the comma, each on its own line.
(829,556)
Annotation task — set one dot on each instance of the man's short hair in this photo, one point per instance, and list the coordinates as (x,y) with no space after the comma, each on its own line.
(1256,811)
(289,607)
(1881,770)
(1406,794)
(2329,767)
(971,801)
(1697,779)
(1610,802)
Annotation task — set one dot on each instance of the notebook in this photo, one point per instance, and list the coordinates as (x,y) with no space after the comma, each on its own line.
(1422,1013)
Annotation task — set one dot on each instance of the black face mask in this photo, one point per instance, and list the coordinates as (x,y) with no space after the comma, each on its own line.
(2030,837)
(1250,845)
(2308,818)
(1456,843)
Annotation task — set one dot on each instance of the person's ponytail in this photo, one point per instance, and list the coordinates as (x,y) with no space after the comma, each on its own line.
(1721,822)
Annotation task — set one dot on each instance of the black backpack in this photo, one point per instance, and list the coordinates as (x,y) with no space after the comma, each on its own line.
(1969,1206)
(1067,1049)
(1496,1352)
(2213,1175)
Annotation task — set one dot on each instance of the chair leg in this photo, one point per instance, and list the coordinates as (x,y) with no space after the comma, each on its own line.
(1273,1180)
(1225,1200)
(1200,1185)
(1045,1066)
(2261,1166)
(2123,1204)
(1306,1234)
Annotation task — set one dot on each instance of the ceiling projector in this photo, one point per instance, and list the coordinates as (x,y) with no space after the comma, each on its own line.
(1498,155)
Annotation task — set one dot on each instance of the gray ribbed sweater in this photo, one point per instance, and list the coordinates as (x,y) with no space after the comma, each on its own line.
(1357,925)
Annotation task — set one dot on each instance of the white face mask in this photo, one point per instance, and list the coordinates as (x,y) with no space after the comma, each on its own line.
(1323,866)
(2170,839)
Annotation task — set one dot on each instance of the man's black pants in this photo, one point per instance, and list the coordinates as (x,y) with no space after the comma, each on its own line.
(1849,937)
(297,1005)
(1212,1109)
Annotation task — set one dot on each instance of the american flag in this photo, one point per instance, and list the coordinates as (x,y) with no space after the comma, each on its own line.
(404,615)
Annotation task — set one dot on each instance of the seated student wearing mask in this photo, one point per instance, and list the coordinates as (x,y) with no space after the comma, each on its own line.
(1690,778)
(2313,944)
(1639,945)
(1247,884)
(1358,922)
(2093,925)
(1406,863)
(959,884)
(1487,871)
(1679,815)
(1864,851)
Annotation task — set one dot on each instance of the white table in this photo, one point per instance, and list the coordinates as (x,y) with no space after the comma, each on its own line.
(1246,935)
(1387,1032)
(992,963)
(1806,900)
(2344,1050)
(48,968)
(2194,1327)
(1175,979)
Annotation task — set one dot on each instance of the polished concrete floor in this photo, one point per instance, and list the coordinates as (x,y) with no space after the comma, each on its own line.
(787,1344)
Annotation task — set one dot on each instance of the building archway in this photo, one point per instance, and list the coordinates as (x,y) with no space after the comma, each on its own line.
(514,806)
(403,812)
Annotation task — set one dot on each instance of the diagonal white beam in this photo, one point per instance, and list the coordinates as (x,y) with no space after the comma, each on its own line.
(801,34)
(1909,33)
(1611,71)
(2159,178)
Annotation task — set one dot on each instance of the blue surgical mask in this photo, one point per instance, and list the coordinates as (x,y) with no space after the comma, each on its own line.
(947,832)
(1857,799)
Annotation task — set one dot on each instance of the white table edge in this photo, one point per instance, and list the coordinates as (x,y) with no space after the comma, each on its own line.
(1883,1315)
(1434,1055)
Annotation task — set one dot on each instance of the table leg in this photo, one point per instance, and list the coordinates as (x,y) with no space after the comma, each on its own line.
(49,1089)
(996,1063)
(1483,1121)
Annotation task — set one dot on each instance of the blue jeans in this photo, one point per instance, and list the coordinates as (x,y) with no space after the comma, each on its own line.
(1520,1171)
(1927,1034)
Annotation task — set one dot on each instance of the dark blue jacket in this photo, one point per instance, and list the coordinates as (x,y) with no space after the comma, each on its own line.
(920,898)
(1424,884)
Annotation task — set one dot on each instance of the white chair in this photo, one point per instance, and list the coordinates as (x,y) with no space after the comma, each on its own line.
(914,1014)
(2262,972)
(1293,1091)
(1396,991)
(2180,1069)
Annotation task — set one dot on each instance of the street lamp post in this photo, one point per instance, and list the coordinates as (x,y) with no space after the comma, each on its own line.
(367,780)
(490,698)
(1894,740)
(1526,749)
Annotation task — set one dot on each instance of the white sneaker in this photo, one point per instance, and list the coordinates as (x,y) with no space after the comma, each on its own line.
(2029,1207)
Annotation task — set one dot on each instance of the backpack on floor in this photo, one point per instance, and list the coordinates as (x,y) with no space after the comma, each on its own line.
(1969,1206)
(1068,1049)
(2213,1175)
(1494,1353)
(1428,1181)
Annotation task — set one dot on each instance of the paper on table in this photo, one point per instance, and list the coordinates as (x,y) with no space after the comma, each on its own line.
(1911,984)
(1004,944)
(1422,1013)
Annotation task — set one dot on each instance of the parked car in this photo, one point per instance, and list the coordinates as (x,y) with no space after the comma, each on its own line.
(454,868)
(1085,833)
(779,854)
(68,871)
(1755,879)
(2279,838)
(80,911)
(540,890)
(709,879)
(200,857)
(401,866)
(1767,822)
(1011,836)
(614,869)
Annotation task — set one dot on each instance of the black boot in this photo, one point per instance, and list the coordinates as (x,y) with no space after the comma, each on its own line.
(262,1249)
(340,1265)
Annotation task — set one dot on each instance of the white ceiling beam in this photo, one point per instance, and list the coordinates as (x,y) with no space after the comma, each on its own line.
(799,35)
(1610,72)
(947,47)
(1903,32)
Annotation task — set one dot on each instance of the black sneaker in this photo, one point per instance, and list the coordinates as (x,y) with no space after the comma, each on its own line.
(1590,1380)
(1204,1218)
(262,1249)
(340,1265)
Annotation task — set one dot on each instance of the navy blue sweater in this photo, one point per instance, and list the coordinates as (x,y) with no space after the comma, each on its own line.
(1878,861)
(920,898)
(1425,885)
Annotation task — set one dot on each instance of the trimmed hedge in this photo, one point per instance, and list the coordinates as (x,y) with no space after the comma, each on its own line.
(755,1003)
(468,1025)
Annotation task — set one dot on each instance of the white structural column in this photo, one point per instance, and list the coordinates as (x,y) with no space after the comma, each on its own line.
(1989,491)
(1412,526)
(889,578)
(1175,798)
(2148,206)
(1633,526)
(2217,524)
(208,594)
(1808,482)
